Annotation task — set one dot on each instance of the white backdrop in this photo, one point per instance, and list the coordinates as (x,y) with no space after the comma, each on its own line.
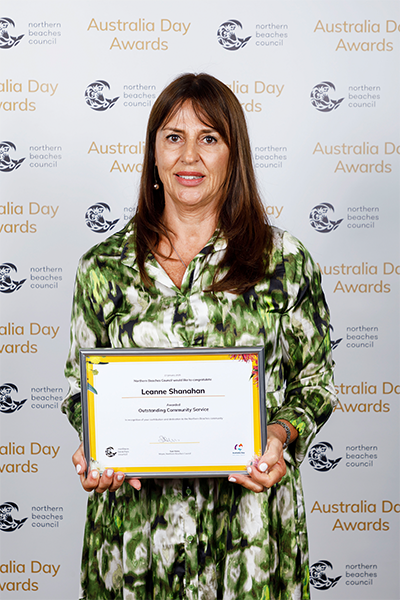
(319,82)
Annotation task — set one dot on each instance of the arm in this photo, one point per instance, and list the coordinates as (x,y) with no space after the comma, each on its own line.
(309,392)
(91,303)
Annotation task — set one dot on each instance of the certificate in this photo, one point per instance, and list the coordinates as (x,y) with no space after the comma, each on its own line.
(173,413)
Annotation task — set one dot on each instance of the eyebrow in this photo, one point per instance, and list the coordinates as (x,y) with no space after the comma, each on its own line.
(176,130)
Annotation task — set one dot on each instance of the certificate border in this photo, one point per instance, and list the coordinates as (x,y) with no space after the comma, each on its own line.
(90,357)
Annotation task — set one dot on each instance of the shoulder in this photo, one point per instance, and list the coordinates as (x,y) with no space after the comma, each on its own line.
(290,253)
(113,248)
(285,244)
(292,273)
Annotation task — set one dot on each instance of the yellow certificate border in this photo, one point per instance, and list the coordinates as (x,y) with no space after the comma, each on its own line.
(116,356)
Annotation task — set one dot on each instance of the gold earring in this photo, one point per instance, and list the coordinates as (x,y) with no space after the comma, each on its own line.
(156,185)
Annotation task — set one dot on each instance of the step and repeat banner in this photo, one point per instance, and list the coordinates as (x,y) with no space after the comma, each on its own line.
(319,83)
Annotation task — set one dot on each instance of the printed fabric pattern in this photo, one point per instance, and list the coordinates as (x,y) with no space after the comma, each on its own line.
(205,539)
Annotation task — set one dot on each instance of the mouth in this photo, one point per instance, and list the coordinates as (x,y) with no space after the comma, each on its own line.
(189,175)
(189,178)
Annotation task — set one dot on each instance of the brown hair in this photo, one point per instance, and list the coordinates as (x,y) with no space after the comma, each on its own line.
(242,218)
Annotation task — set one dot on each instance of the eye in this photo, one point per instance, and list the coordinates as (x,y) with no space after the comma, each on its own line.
(173,137)
(209,139)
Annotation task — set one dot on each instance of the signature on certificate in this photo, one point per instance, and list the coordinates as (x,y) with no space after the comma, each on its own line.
(166,440)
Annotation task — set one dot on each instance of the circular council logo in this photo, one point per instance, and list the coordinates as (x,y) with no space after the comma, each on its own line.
(319,578)
(95,96)
(7,521)
(110,452)
(320,218)
(318,459)
(320,97)
(6,40)
(7,404)
(8,164)
(226,35)
(95,218)
(8,285)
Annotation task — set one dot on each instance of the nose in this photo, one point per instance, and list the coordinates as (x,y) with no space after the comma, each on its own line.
(190,152)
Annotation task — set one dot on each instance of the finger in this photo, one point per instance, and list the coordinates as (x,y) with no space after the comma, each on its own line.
(105,482)
(269,477)
(90,482)
(135,483)
(117,481)
(247,482)
(79,461)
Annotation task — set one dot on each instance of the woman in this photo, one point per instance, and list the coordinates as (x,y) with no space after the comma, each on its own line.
(199,265)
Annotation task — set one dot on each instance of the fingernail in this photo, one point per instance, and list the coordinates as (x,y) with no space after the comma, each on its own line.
(263,467)
(109,472)
(95,474)
(232,479)
(120,476)
(249,470)
(137,485)
(78,468)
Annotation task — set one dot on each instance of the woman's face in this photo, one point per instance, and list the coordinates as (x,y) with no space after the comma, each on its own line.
(192,161)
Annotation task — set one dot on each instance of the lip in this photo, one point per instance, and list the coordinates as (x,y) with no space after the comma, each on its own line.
(182,175)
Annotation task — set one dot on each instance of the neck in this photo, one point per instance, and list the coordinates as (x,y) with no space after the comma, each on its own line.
(188,233)
(190,228)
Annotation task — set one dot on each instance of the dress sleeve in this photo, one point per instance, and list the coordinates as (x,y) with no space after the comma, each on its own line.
(88,330)
(310,394)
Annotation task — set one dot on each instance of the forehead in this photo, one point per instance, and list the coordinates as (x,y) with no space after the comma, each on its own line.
(185,116)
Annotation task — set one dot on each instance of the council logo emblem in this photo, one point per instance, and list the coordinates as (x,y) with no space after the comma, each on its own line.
(110,452)
(226,35)
(94,96)
(8,285)
(319,578)
(8,164)
(318,459)
(7,521)
(320,97)
(95,218)
(6,40)
(319,218)
(7,404)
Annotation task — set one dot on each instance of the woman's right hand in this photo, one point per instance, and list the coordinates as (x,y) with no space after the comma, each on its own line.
(108,481)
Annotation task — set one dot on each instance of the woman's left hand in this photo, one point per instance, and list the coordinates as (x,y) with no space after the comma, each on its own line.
(267,470)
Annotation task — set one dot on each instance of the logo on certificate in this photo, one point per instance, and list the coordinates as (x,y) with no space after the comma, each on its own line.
(110,452)
(238,449)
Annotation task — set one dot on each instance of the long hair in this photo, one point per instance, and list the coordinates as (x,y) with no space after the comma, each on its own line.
(242,219)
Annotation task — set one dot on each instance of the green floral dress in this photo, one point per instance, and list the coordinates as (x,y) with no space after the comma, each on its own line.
(205,538)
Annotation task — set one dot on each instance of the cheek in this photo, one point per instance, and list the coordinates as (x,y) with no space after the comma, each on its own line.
(222,167)
(164,161)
